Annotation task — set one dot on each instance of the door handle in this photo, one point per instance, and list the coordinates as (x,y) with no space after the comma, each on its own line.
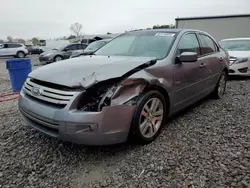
(202,65)
(221,58)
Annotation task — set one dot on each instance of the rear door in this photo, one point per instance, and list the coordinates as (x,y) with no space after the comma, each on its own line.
(212,59)
(187,76)
(14,48)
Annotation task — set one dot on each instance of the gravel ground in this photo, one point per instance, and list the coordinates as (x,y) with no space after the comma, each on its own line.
(207,145)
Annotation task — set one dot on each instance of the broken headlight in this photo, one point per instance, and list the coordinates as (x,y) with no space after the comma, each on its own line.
(98,96)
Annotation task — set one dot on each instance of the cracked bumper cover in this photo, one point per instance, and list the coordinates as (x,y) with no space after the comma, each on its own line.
(109,126)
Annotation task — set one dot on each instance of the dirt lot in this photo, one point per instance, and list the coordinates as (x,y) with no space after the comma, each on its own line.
(208,145)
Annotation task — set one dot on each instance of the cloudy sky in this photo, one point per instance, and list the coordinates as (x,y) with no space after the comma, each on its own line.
(52,18)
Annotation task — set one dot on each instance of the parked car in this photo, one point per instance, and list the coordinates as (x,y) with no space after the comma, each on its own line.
(13,49)
(239,51)
(127,90)
(35,50)
(28,48)
(91,48)
(61,53)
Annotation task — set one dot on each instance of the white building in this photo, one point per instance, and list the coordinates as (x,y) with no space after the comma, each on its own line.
(220,27)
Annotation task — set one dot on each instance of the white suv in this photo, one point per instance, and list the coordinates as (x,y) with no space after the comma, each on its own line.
(13,49)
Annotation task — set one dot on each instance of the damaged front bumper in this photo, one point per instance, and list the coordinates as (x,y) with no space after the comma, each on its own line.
(109,126)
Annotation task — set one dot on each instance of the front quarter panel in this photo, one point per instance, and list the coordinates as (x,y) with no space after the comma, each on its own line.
(133,86)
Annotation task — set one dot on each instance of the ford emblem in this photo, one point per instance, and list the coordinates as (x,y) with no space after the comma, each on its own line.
(37,90)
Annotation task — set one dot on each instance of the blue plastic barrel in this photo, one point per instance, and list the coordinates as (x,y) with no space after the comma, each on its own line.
(18,72)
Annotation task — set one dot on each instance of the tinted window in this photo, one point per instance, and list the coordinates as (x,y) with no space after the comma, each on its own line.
(14,45)
(139,44)
(79,46)
(189,43)
(72,47)
(208,45)
(236,45)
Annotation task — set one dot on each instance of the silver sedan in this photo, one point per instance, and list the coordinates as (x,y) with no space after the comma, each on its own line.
(239,51)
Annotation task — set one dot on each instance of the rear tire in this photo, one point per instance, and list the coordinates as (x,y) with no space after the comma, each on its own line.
(220,87)
(20,54)
(149,117)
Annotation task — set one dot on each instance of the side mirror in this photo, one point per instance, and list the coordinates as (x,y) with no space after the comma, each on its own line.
(188,57)
(66,49)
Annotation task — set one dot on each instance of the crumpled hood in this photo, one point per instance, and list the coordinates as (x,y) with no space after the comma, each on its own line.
(239,54)
(87,70)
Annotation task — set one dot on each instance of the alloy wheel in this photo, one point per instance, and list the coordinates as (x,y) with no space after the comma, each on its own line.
(58,58)
(151,117)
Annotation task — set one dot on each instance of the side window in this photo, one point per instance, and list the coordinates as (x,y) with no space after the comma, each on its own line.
(10,45)
(72,47)
(14,45)
(79,47)
(189,43)
(208,45)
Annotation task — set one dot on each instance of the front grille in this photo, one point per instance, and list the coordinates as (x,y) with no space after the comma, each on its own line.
(243,70)
(47,94)
(41,58)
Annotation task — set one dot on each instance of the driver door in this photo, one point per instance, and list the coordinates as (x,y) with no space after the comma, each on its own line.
(188,76)
(68,51)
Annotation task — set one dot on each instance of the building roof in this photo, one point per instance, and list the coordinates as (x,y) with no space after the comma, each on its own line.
(213,17)
(231,39)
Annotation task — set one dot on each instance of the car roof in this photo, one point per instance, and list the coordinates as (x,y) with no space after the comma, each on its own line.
(174,30)
(232,39)
(11,43)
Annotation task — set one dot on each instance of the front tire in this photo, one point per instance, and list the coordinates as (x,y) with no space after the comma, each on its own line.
(149,118)
(58,58)
(220,87)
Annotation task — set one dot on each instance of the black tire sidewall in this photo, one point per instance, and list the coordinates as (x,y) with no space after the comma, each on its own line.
(135,133)
(20,53)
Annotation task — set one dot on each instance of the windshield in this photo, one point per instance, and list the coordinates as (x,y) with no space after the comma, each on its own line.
(95,45)
(139,44)
(236,45)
